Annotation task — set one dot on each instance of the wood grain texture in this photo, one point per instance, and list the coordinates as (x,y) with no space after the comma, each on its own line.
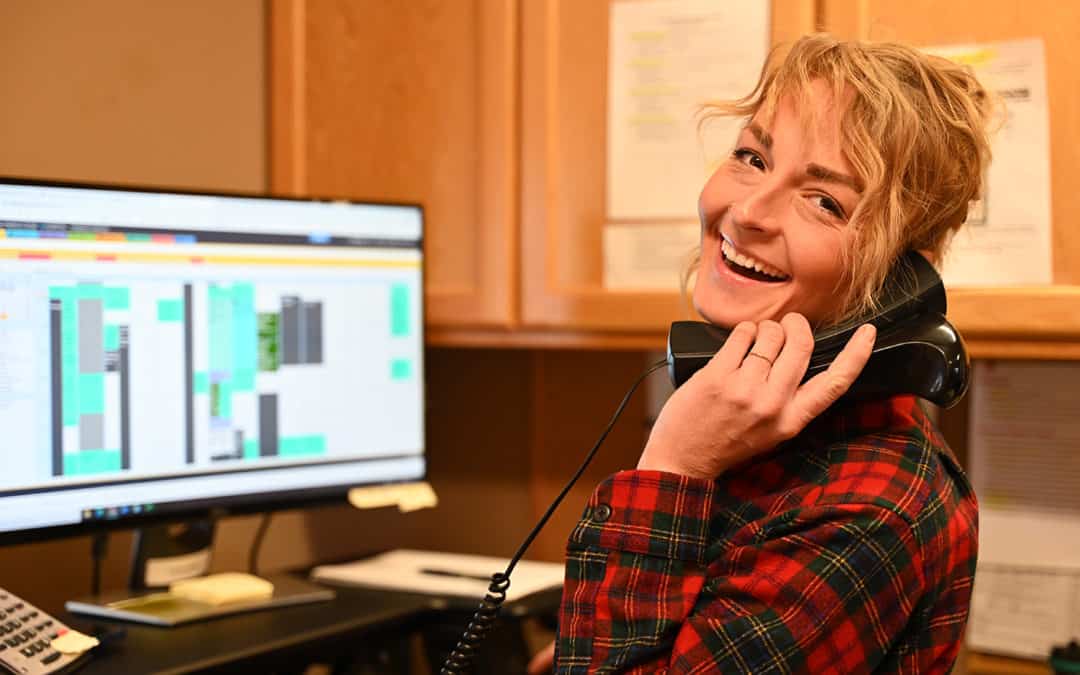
(288,126)
(564,131)
(124,91)
(410,102)
(574,396)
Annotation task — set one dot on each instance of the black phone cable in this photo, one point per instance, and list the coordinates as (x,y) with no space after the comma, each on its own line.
(461,658)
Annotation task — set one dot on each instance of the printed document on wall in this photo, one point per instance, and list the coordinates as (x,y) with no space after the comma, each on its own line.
(1025,467)
(666,58)
(1007,239)
(647,256)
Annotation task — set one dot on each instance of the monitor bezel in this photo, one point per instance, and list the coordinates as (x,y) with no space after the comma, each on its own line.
(248,503)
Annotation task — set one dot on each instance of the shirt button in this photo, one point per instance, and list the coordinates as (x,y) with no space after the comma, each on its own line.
(601,513)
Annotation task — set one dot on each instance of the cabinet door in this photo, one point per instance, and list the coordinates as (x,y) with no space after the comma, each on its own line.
(564,119)
(995,320)
(409,102)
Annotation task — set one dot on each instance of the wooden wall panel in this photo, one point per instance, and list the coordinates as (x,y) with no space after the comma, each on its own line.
(168,94)
(576,394)
(411,102)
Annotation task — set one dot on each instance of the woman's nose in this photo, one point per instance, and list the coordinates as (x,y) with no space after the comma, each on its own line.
(759,209)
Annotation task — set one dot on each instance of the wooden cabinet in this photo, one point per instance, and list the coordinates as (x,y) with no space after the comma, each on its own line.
(415,102)
(1034,322)
(492,113)
(564,124)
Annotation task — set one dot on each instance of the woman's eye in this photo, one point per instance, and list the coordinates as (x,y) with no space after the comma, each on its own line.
(829,204)
(749,158)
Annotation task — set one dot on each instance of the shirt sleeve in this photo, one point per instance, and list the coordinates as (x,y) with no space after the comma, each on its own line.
(812,589)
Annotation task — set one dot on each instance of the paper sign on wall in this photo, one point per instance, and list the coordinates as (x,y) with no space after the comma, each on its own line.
(1025,469)
(666,58)
(1007,241)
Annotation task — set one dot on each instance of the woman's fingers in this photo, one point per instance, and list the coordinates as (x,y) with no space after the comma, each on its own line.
(759,360)
(822,390)
(790,365)
(735,347)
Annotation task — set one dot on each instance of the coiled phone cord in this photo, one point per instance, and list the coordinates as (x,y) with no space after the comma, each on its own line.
(461,658)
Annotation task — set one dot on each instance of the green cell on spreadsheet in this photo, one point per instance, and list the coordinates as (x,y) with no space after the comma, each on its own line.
(400,314)
(269,341)
(221,400)
(117,298)
(245,337)
(112,337)
(400,369)
(302,446)
(90,291)
(170,311)
(90,462)
(91,393)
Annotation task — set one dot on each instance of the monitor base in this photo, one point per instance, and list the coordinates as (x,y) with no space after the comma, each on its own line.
(161,608)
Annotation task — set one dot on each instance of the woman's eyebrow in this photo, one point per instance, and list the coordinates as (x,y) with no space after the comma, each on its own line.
(761,135)
(819,172)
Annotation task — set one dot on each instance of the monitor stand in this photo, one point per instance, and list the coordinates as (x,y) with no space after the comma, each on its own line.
(162,554)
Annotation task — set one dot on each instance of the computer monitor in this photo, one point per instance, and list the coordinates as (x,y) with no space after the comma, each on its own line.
(165,354)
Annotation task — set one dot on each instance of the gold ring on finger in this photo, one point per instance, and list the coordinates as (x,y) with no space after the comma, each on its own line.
(761,356)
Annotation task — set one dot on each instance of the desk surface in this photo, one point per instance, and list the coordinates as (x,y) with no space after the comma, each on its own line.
(254,636)
(254,640)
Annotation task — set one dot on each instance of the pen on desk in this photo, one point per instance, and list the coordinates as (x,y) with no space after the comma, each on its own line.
(456,575)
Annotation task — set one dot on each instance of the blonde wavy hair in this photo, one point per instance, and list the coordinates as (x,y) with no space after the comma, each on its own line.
(915,128)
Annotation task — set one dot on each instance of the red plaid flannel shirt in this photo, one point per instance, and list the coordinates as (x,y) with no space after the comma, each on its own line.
(849,549)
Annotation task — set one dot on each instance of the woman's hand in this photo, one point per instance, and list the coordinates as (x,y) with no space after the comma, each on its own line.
(748,398)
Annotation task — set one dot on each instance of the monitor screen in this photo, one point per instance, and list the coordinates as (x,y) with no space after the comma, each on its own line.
(164,352)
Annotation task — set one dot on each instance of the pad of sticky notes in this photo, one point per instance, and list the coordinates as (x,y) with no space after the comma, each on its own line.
(406,496)
(224,588)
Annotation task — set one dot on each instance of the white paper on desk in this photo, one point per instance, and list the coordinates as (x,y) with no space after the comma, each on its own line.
(667,57)
(404,570)
(1025,467)
(1007,240)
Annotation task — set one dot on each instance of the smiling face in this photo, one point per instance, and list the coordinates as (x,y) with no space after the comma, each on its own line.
(775,219)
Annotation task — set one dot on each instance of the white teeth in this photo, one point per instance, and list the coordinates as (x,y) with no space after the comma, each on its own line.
(749,263)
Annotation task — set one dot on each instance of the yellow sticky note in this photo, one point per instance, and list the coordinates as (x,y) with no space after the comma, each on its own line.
(73,642)
(406,496)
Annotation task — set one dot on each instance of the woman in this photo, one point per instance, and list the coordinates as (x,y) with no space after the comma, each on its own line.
(769,527)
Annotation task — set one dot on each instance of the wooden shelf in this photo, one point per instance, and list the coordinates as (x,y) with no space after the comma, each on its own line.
(1023,313)
(997,323)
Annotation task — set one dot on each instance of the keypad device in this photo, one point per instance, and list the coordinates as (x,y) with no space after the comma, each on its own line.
(26,635)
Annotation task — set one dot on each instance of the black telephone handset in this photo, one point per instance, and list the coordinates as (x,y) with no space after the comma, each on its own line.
(917,350)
